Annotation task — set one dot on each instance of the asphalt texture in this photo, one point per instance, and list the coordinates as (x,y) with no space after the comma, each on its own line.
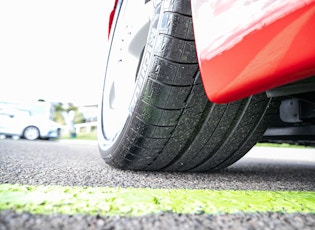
(74,163)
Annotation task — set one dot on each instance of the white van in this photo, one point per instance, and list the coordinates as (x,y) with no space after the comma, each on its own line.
(30,121)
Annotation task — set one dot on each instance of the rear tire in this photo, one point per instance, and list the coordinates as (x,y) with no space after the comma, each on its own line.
(170,125)
(31,133)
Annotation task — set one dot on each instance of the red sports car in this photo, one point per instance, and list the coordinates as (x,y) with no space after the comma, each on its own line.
(193,85)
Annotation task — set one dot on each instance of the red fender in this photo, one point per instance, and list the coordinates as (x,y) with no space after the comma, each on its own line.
(248,47)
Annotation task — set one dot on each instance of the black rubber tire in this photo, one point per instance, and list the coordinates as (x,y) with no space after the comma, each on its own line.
(173,126)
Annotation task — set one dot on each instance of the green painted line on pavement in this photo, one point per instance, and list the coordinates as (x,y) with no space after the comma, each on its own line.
(143,201)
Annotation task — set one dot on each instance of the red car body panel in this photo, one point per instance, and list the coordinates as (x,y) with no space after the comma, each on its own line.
(111,17)
(248,47)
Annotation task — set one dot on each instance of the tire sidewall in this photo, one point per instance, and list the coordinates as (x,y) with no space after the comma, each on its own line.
(108,148)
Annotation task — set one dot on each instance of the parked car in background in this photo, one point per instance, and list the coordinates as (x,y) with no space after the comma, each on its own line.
(193,85)
(28,120)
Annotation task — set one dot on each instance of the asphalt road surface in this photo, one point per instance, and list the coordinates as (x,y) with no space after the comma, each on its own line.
(75,163)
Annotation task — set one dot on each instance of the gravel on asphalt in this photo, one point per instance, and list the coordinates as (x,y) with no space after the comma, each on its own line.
(264,221)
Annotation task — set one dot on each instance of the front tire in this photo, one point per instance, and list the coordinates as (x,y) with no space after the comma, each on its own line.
(166,122)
